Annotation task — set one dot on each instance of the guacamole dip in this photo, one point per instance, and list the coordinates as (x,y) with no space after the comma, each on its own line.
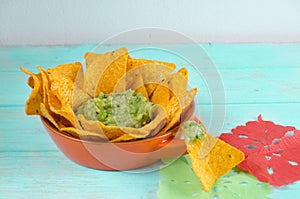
(193,131)
(126,109)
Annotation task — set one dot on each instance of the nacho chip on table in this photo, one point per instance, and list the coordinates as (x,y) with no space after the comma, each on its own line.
(211,157)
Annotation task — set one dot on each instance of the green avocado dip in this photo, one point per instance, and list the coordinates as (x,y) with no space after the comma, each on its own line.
(126,109)
(193,131)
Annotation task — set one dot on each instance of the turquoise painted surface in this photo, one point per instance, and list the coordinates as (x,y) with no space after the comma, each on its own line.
(257,78)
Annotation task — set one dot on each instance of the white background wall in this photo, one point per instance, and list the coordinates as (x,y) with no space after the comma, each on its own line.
(43,22)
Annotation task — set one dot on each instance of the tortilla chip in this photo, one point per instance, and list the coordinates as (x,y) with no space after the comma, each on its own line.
(65,90)
(47,115)
(62,88)
(207,145)
(187,100)
(82,134)
(184,73)
(56,120)
(48,98)
(131,80)
(124,138)
(104,71)
(32,106)
(178,82)
(94,69)
(148,76)
(62,80)
(143,91)
(79,96)
(30,80)
(99,128)
(150,88)
(178,109)
(153,72)
(219,159)
(153,76)
(158,121)
(54,92)
(67,70)
(68,115)
(161,95)
(133,63)
(175,84)
(173,111)
(172,121)
(57,98)
(135,79)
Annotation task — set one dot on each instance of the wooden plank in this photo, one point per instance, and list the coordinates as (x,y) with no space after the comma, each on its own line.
(251,86)
(225,56)
(51,175)
(285,114)
(19,132)
(46,56)
(14,90)
(254,55)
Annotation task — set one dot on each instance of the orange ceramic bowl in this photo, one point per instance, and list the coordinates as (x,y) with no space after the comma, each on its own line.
(122,155)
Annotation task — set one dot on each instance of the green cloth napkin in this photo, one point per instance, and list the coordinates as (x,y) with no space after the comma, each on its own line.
(178,180)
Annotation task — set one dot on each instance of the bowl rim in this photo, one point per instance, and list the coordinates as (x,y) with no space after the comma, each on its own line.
(48,125)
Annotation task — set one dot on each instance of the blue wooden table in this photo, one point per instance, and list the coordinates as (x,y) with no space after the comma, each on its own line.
(256,78)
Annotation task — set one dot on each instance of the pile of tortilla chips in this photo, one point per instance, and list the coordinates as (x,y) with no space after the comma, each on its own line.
(58,92)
